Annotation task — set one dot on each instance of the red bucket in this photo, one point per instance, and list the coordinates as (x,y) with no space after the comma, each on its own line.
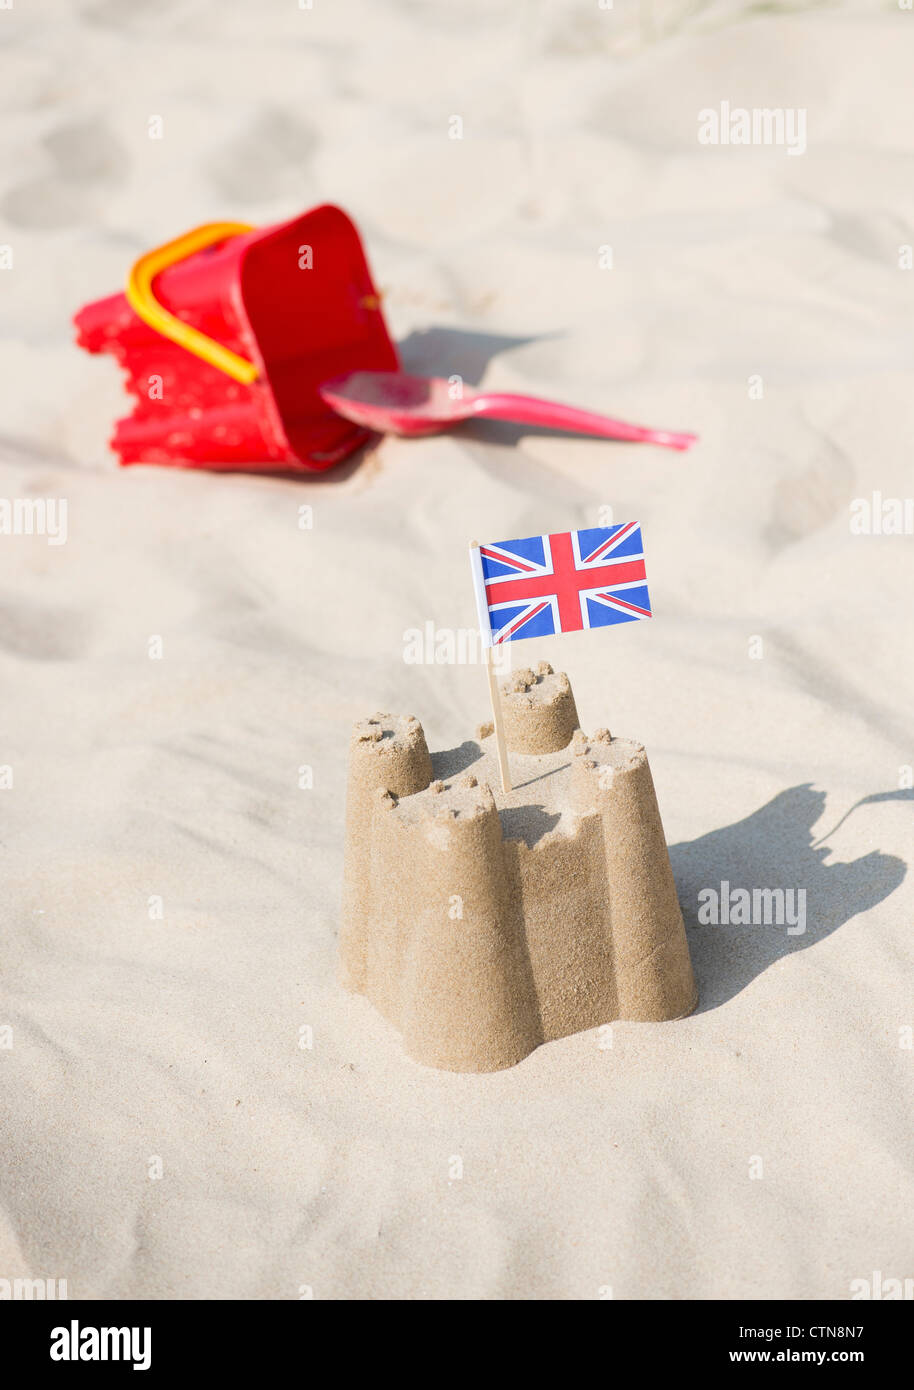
(225,335)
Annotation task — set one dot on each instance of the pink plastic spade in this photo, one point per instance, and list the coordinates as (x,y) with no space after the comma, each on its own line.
(395,403)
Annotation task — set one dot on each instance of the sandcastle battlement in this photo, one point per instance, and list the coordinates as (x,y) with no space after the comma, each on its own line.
(484,923)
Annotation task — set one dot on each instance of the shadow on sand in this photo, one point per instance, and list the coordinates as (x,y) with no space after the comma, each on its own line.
(775,848)
(440,351)
(449,351)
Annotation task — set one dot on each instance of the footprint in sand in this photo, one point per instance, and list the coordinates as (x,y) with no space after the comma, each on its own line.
(114,14)
(810,500)
(42,633)
(85,157)
(266,160)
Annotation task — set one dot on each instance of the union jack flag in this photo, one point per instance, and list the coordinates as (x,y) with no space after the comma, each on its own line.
(541,585)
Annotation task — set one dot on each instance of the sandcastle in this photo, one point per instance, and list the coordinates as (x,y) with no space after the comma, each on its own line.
(482,925)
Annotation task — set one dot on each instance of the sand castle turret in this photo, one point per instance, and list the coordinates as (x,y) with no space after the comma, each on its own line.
(483,923)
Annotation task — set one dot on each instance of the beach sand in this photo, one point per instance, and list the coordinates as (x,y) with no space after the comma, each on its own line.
(191,1105)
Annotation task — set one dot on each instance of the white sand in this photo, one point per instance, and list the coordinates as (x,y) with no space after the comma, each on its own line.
(336,1166)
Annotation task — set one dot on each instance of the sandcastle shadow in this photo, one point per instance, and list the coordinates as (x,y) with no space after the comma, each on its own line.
(528,823)
(774,848)
(450,762)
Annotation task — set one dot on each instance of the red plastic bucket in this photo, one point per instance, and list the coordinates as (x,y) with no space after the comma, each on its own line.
(225,346)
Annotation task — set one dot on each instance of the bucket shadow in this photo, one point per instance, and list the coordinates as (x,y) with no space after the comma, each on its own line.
(440,351)
(774,848)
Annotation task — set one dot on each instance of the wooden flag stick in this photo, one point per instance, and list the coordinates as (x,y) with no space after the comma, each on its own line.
(501,744)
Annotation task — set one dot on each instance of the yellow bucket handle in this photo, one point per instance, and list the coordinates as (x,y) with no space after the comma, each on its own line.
(144,304)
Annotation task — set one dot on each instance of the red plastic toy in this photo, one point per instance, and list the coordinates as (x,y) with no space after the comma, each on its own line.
(226,334)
